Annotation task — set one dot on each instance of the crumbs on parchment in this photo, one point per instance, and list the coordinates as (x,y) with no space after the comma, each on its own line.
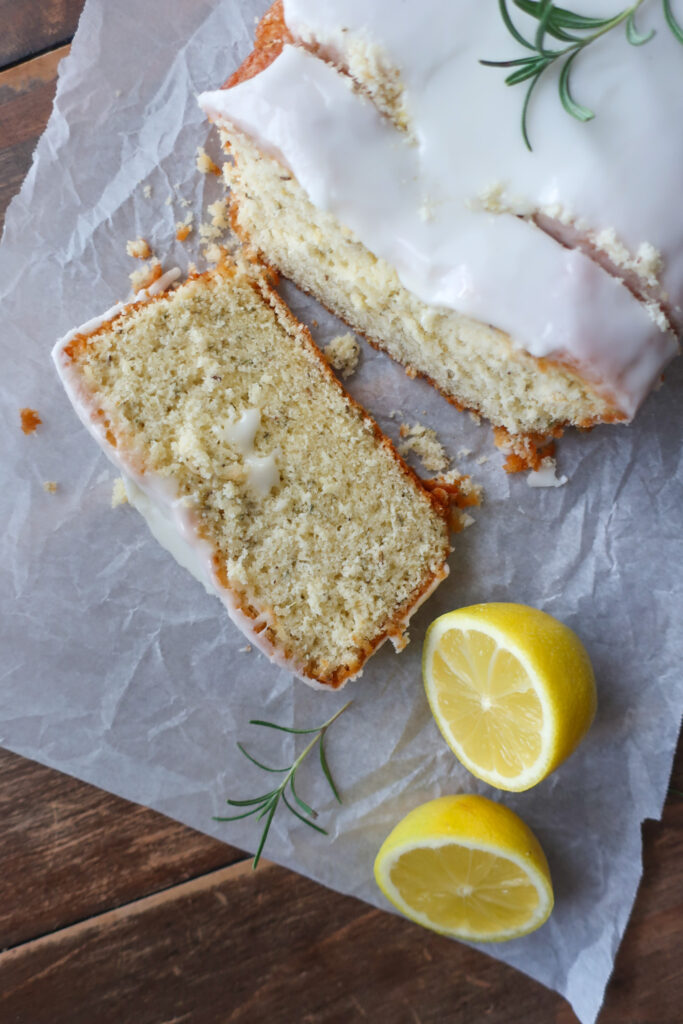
(118,493)
(139,248)
(343,354)
(205,164)
(29,420)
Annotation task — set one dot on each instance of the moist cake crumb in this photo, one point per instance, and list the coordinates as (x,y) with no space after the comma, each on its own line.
(139,249)
(218,212)
(50,486)
(343,354)
(183,228)
(147,275)
(205,164)
(302,518)
(423,442)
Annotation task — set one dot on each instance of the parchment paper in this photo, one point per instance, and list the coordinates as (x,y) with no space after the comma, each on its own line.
(119,669)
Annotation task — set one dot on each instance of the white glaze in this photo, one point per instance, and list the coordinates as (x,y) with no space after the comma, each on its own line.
(415,203)
(262,471)
(546,475)
(241,433)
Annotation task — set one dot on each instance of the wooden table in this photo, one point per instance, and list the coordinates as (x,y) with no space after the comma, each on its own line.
(112,913)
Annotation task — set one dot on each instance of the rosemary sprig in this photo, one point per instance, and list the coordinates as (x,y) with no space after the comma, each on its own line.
(577,31)
(266,805)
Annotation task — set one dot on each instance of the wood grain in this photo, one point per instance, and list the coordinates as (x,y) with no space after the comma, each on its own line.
(26,94)
(117,914)
(30,26)
(240,948)
(69,851)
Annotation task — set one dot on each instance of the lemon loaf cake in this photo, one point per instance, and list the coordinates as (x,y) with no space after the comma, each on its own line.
(257,470)
(381,167)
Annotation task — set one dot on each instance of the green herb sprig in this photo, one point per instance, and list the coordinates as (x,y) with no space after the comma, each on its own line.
(577,31)
(265,806)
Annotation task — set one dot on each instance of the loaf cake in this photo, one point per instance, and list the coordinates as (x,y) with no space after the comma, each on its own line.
(381,167)
(257,470)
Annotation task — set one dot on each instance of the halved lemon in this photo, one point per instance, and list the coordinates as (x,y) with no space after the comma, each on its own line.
(466,867)
(511,688)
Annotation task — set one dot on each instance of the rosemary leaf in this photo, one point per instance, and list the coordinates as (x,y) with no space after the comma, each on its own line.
(577,31)
(266,805)
(254,800)
(576,110)
(671,21)
(635,37)
(306,821)
(259,764)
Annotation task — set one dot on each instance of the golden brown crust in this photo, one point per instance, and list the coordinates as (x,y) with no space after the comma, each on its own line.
(271,35)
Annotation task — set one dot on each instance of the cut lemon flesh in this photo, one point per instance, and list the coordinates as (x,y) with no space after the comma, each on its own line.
(468,867)
(511,689)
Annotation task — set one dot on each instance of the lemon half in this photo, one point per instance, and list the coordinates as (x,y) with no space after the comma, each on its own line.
(511,688)
(467,867)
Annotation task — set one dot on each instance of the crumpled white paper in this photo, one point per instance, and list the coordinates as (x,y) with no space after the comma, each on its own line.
(119,669)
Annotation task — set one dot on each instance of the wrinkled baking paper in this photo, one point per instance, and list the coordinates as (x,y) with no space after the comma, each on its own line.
(119,669)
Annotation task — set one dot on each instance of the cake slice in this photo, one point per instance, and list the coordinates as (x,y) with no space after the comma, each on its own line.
(377,164)
(257,470)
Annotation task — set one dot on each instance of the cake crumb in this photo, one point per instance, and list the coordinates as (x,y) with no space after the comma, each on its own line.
(462,453)
(147,191)
(219,214)
(205,164)
(482,460)
(50,486)
(184,227)
(423,442)
(209,232)
(118,493)
(139,249)
(29,420)
(215,253)
(146,276)
(343,354)
(168,200)
(456,493)
(244,650)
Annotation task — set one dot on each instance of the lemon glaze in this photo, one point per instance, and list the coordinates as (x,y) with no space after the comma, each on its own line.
(414,198)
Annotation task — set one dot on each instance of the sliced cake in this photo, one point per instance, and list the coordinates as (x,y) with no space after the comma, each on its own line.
(380,166)
(257,470)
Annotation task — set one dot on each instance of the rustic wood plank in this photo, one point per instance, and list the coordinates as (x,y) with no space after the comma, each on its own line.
(240,948)
(26,94)
(236,947)
(31,26)
(69,851)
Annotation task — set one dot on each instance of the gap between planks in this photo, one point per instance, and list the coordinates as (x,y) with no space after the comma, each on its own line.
(42,68)
(136,907)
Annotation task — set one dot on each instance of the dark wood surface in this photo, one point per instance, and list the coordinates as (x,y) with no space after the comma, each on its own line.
(29,27)
(112,913)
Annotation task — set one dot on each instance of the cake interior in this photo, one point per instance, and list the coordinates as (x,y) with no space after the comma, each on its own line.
(339,541)
(474,365)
